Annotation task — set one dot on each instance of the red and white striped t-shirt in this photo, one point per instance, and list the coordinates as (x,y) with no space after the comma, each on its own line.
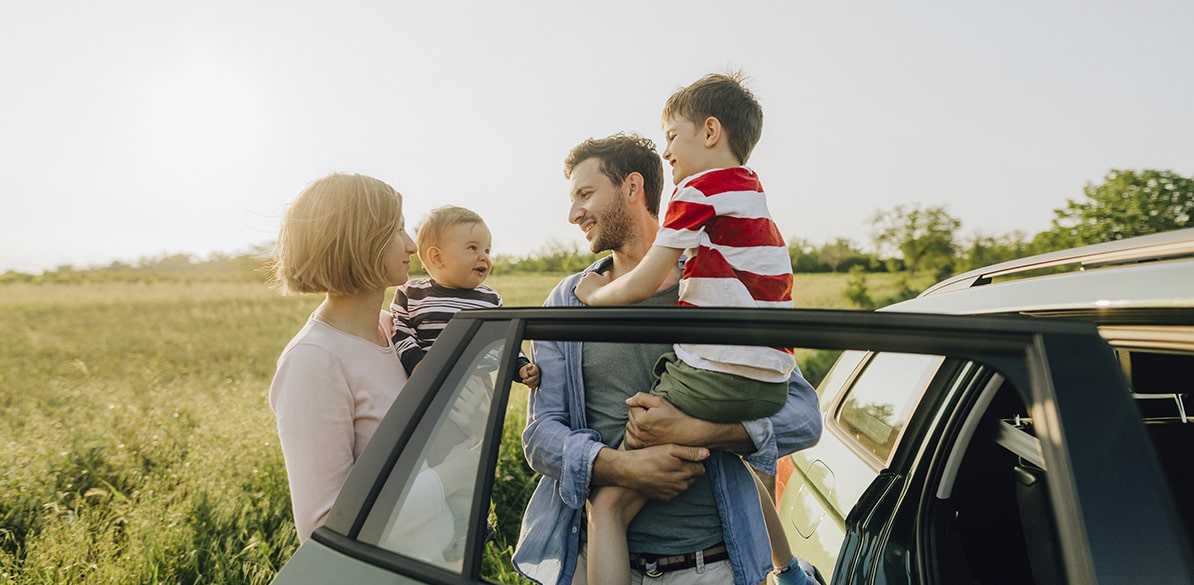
(737,258)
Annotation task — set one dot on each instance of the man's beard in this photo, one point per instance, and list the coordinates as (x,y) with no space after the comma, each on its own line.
(616,228)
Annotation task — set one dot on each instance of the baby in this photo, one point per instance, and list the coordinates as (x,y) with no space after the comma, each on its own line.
(454,245)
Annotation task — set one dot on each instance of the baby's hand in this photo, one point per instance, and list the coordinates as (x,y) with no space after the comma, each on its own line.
(530,375)
(589,285)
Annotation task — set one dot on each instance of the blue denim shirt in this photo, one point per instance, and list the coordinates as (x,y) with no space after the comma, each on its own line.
(558,444)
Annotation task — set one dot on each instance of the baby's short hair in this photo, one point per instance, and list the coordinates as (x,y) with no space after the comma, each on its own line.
(725,97)
(438,221)
(335,234)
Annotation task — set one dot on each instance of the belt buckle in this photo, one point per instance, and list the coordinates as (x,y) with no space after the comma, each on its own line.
(651,569)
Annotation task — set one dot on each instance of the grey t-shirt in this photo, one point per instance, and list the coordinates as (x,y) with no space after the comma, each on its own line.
(612,373)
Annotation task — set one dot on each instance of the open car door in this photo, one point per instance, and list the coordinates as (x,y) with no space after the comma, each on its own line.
(1110,507)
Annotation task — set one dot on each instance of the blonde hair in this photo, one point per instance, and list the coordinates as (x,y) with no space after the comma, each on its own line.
(335,234)
(438,221)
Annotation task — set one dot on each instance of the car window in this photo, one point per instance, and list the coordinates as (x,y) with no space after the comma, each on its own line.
(876,407)
(839,375)
(430,519)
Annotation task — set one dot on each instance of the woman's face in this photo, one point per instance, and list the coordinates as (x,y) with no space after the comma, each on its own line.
(396,259)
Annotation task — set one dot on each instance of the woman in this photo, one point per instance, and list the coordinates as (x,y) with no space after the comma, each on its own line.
(344,236)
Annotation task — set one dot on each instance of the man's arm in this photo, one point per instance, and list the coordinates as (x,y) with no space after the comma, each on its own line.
(549,439)
(796,426)
(660,472)
(654,421)
(578,458)
(550,443)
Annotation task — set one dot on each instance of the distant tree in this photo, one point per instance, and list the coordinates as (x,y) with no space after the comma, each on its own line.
(1128,203)
(555,257)
(856,289)
(925,237)
(840,252)
(15,276)
(859,294)
(804,256)
(982,250)
(167,263)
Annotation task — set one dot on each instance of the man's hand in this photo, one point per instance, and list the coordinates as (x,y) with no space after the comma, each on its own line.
(589,285)
(661,472)
(655,421)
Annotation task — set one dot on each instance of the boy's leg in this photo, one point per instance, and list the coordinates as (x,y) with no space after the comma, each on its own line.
(787,567)
(715,396)
(781,553)
(610,510)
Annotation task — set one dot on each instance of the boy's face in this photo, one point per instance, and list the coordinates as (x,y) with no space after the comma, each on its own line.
(685,149)
(463,259)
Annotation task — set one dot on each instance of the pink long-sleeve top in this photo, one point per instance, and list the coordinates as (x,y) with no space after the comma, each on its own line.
(329,394)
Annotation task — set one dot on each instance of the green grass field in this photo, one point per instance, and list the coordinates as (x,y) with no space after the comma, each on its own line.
(136,439)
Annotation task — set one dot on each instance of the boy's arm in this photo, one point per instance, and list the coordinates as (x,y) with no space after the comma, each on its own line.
(639,284)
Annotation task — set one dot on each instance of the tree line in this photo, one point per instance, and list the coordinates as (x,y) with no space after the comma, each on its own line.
(912,239)
(915,238)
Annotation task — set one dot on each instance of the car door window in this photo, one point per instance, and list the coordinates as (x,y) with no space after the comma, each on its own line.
(875,409)
(430,519)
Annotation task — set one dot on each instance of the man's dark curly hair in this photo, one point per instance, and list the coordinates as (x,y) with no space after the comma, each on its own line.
(620,155)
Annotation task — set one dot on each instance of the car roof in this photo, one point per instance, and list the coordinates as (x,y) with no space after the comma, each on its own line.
(1147,272)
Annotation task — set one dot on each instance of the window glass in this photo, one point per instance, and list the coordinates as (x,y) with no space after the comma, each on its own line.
(879,404)
(839,375)
(430,520)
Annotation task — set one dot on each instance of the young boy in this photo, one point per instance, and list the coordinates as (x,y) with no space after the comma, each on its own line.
(454,248)
(738,258)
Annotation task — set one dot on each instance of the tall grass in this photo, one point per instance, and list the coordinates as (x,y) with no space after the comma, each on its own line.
(136,441)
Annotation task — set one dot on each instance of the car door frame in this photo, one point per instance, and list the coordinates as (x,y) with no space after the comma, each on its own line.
(1055,360)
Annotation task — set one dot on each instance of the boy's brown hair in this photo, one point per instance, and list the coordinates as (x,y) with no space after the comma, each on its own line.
(620,155)
(335,234)
(438,221)
(725,97)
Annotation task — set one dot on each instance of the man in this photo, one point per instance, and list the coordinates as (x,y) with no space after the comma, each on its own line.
(704,523)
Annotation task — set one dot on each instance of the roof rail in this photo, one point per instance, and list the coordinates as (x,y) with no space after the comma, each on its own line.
(1159,246)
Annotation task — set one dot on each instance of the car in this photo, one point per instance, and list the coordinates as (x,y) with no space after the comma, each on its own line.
(970,405)
(935,469)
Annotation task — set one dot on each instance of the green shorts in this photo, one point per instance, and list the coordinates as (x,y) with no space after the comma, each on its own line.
(715,396)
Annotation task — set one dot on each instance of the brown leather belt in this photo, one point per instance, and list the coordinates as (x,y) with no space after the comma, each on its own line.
(656,565)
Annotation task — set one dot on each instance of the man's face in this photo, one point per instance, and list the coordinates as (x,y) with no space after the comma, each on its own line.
(599,207)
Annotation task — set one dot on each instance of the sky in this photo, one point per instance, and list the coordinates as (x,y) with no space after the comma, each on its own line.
(134,129)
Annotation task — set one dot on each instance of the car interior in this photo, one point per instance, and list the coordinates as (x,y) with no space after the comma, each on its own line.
(992,519)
